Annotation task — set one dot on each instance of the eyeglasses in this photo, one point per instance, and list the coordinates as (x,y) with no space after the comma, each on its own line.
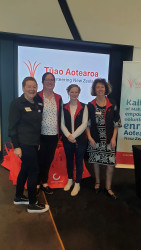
(49,80)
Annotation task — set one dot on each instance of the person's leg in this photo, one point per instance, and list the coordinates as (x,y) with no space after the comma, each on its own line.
(30,163)
(69,152)
(21,180)
(79,155)
(33,169)
(109,176)
(33,172)
(46,154)
(97,176)
(29,171)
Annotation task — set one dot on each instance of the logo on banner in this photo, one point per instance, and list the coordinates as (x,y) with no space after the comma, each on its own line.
(56,178)
(133,83)
(32,69)
(130,83)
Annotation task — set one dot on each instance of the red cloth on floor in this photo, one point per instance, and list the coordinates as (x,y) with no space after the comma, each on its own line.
(57,174)
(12,163)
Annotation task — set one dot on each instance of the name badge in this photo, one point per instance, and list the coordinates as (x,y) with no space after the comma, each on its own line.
(28,109)
(98,113)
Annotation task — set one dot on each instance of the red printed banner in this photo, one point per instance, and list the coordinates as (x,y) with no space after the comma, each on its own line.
(124,158)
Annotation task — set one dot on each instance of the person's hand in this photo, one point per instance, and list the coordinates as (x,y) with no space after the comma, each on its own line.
(18,152)
(71,139)
(113,143)
(92,142)
(38,147)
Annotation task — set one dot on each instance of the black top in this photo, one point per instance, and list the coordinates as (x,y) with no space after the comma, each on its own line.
(111,116)
(25,121)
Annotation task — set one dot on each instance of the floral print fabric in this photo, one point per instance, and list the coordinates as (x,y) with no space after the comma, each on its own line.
(101,153)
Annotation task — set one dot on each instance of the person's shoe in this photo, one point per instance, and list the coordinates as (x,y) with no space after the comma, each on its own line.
(76,189)
(37,208)
(21,200)
(68,185)
(97,188)
(47,190)
(112,196)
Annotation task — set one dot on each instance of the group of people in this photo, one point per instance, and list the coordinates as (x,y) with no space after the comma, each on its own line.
(38,120)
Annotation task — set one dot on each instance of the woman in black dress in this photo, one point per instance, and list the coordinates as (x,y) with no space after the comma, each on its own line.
(104,121)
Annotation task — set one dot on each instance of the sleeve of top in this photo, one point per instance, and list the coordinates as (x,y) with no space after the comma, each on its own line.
(61,103)
(117,120)
(83,126)
(14,118)
(63,127)
(89,119)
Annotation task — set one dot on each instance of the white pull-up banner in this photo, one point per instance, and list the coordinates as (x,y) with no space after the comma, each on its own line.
(130,112)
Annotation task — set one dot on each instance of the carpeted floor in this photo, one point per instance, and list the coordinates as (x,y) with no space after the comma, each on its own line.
(85,222)
(20,230)
(95,222)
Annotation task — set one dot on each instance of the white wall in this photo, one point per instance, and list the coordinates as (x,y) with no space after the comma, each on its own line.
(109,21)
(33,17)
(137,54)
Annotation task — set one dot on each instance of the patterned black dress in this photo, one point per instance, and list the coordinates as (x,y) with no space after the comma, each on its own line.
(101,153)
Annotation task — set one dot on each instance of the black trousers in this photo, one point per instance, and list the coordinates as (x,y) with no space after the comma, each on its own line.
(29,171)
(48,144)
(77,150)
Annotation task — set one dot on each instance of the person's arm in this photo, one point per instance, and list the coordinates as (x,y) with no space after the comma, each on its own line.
(117,124)
(14,118)
(83,126)
(113,140)
(90,139)
(117,120)
(63,127)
